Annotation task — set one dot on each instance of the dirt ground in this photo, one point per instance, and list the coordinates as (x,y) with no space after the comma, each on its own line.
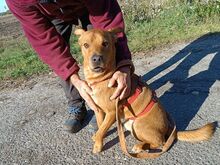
(9,27)
(185,77)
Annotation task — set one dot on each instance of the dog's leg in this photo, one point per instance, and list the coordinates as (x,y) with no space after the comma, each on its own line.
(106,124)
(99,117)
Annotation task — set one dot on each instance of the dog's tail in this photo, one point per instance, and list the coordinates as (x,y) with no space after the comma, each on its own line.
(199,134)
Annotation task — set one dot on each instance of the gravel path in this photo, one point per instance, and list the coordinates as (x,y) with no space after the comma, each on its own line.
(185,76)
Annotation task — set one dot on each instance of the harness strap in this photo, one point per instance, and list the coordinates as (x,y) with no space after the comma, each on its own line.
(135,96)
(144,154)
(147,108)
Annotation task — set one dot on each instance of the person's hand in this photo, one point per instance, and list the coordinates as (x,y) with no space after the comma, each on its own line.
(122,78)
(84,90)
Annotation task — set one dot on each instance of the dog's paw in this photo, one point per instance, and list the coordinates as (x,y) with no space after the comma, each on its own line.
(97,148)
(137,148)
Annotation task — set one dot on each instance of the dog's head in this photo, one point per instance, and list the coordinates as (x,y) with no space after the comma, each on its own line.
(98,50)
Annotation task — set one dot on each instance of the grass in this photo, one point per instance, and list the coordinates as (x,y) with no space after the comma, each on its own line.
(172,23)
(75,49)
(17,59)
(148,26)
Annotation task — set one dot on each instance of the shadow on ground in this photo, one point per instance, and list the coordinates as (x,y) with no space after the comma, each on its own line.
(188,93)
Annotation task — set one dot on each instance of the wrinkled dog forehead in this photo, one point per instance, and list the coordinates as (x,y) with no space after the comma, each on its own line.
(95,36)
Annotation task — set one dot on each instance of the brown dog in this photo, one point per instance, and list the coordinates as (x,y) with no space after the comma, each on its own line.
(151,124)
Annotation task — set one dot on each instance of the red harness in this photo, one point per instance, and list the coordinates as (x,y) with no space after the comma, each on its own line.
(147,108)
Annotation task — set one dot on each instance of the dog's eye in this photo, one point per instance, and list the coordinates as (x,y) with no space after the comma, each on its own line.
(105,44)
(86,45)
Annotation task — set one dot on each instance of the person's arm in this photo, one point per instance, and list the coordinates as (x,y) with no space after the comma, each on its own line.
(42,35)
(105,15)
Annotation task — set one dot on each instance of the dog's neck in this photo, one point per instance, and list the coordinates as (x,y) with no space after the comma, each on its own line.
(94,79)
(100,78)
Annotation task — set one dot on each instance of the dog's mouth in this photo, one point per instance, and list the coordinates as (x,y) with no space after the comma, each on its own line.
(98,69)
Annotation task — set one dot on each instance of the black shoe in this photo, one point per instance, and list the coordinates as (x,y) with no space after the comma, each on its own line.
(75,121)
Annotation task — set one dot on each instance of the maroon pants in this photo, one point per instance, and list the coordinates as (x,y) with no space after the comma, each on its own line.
(65,29)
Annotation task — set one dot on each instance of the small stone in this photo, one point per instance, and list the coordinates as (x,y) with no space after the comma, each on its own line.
(70,160)
(22,122)
(31,112)
(195,92)
(50,114)
(171,90)
(117,157)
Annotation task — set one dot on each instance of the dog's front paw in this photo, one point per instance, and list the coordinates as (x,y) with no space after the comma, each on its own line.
(97,148)
(137,148)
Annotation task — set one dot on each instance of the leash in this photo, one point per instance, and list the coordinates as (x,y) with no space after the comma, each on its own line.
(143,154)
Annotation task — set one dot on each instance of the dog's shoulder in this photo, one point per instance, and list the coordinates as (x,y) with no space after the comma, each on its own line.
(136,81)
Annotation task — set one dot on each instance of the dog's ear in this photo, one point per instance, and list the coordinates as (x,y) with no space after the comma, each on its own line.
(114,32)
(79,32)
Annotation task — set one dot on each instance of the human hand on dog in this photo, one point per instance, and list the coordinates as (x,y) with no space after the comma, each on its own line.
(122,78)
(84,90)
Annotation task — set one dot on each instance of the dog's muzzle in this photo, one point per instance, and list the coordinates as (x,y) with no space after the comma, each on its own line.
(97,63)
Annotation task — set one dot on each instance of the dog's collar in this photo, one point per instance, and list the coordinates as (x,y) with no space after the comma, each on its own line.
(134,97)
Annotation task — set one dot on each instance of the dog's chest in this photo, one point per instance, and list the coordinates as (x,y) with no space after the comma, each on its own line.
(128,125)
(101,96)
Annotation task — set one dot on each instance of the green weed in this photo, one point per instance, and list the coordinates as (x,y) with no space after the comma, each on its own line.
(19,60)
(171,22)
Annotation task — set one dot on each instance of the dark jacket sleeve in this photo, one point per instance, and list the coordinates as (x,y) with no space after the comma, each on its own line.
(44,38)
(106,14)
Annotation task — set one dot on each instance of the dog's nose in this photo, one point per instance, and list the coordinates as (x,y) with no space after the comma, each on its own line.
(97,59)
